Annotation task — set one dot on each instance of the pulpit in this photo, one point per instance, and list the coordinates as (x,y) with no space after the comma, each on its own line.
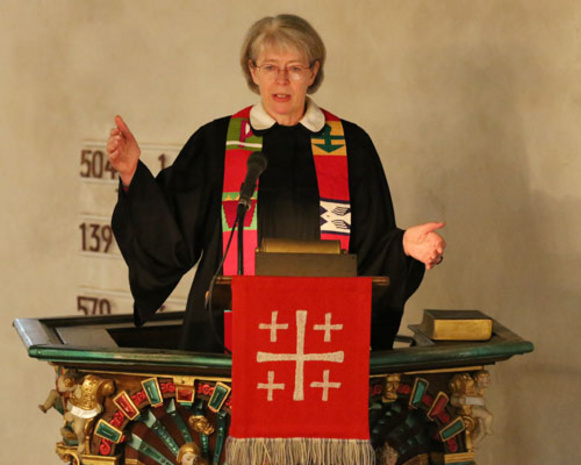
(128,396)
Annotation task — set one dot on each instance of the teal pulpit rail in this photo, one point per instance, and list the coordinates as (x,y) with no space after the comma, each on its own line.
(113,340)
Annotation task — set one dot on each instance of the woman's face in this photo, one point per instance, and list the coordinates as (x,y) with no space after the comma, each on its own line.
(283,97)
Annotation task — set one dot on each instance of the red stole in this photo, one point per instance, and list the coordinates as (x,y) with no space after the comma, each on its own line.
(330,156)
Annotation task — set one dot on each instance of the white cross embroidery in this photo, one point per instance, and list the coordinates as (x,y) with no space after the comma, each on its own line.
(326,385)
(299,357)
(270,386)
(328,327)
(273,326)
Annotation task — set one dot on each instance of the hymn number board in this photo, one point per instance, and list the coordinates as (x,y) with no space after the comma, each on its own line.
(102,278)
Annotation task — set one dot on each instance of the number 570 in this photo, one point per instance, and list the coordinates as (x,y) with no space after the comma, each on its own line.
(93,305)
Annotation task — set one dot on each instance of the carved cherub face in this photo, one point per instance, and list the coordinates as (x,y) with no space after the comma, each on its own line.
(67,381)
(393,381)
(190,454)
(391,387)
(200,424)
(189,459)
(483,379)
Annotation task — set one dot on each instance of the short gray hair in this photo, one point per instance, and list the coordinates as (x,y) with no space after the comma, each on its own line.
(283,31)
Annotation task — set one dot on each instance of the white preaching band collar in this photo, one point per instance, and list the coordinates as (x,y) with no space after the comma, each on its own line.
(313,119)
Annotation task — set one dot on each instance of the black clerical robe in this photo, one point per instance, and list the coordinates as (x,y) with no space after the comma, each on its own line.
(165,225)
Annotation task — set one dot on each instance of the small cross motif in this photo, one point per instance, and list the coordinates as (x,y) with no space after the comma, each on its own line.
(273,327)
(328,327)
(270,386)
(328,145)
(325,385)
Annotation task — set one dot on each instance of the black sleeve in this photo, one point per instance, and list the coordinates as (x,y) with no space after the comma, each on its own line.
(161,225)
(375,237)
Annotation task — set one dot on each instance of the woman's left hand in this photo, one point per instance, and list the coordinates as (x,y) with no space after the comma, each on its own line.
(424,244)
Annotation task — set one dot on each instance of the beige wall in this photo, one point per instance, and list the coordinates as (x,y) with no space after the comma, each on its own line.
(474,107)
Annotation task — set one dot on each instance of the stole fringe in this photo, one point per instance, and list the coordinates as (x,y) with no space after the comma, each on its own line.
(298,451)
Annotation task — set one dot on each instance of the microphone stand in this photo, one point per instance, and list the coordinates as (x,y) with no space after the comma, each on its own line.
(256,165)
(241,214)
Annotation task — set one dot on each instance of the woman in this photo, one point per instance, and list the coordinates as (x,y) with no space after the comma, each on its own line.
(324,180)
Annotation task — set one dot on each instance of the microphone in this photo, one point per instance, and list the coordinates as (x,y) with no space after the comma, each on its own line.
(257,162)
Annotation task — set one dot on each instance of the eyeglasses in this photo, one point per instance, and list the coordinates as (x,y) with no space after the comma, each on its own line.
(294,72)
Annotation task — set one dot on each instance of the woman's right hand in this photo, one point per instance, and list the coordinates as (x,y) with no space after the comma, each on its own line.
(123,151)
